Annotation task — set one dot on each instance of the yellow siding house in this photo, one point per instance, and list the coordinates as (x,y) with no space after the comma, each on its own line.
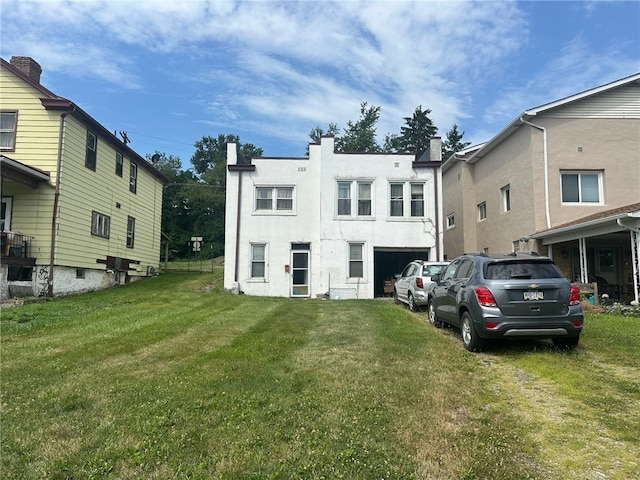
(80,210)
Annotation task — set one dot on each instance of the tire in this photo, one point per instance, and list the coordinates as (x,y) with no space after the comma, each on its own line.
(566,343)
(433,316)
(412,303)
(470,339)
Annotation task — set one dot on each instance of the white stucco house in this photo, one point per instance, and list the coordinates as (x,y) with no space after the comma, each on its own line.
(332,223)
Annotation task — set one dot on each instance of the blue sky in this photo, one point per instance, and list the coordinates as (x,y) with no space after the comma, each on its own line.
(169,72)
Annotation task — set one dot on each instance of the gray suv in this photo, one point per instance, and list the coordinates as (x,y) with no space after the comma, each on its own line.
(517,295)
(412,284)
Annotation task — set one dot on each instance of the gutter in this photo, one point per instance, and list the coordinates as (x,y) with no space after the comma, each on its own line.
(56,201)
(546,168)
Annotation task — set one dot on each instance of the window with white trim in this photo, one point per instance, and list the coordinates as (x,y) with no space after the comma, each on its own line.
(8,125)
(407,199)
(264,199)
(417,199)
(354,198)
(356,260)
(482,211)
(396,200)
(506,198)
(100,224)
(258,260)
(581,187)
(451,220)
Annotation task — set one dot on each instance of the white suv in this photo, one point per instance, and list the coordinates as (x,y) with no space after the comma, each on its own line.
(414,282)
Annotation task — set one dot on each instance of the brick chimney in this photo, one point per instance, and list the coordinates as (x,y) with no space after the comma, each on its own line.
(29,66)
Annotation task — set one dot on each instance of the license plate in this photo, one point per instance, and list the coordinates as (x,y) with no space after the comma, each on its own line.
(534,295)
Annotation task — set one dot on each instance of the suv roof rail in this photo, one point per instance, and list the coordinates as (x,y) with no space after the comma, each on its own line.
(481,254)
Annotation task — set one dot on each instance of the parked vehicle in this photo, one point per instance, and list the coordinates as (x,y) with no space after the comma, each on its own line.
(517,295)
(412,284)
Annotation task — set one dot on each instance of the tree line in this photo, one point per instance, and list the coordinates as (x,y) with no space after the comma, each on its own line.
(193,203)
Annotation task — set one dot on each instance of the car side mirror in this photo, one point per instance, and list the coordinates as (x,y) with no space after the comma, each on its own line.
(436,278)
(396,276)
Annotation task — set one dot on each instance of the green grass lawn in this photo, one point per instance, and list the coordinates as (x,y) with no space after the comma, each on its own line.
(172,377)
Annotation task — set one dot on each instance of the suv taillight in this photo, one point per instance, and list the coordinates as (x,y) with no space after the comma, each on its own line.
(574,295)
(485,297)
(419,283)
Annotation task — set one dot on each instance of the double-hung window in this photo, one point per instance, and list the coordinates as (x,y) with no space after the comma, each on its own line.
(119,163)
(284,198)
(91,152)
(364,199)
(396,203)
(258,260)
(354,197)
(8,123)
(344,198)
(581,187)
(133,178)
(264,199)
(482,211)
(407,198)
(417,199)
(356,260)
(100,224)
(131,231)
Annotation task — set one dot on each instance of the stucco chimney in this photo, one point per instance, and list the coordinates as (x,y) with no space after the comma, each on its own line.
(435,149)
(29,66)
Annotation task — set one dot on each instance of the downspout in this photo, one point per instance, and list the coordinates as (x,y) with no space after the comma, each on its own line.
(237,260)
(546,168)
(635,251)
(56,200)
(438,216)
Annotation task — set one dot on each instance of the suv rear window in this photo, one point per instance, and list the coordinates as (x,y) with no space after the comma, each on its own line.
(521,269)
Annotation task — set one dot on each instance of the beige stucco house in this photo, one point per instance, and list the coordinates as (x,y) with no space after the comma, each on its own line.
(562,179)
(80,209)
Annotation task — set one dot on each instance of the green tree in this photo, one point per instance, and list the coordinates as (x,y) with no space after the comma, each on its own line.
(204,200)
(210,158)
(453,142)
(361,135)
(358,137)
(176,218)
(415,135)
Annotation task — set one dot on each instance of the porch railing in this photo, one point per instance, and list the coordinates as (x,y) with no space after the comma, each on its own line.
(15,245)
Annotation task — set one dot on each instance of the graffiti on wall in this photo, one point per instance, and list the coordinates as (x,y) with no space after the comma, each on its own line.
(42,282)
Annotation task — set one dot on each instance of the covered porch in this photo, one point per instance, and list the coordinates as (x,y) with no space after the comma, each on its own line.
(602,248)
(17,186)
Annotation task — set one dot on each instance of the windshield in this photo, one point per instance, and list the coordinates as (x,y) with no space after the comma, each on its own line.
(521,269)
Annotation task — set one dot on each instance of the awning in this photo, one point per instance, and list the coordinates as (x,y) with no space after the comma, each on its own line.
(601,223)
(19,172)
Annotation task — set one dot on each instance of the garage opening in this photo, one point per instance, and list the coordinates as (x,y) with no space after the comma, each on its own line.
(389,261)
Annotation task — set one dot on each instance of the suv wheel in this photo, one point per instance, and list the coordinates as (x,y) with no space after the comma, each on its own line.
(433,317)
(412,303)
(567,343)
(470,338)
